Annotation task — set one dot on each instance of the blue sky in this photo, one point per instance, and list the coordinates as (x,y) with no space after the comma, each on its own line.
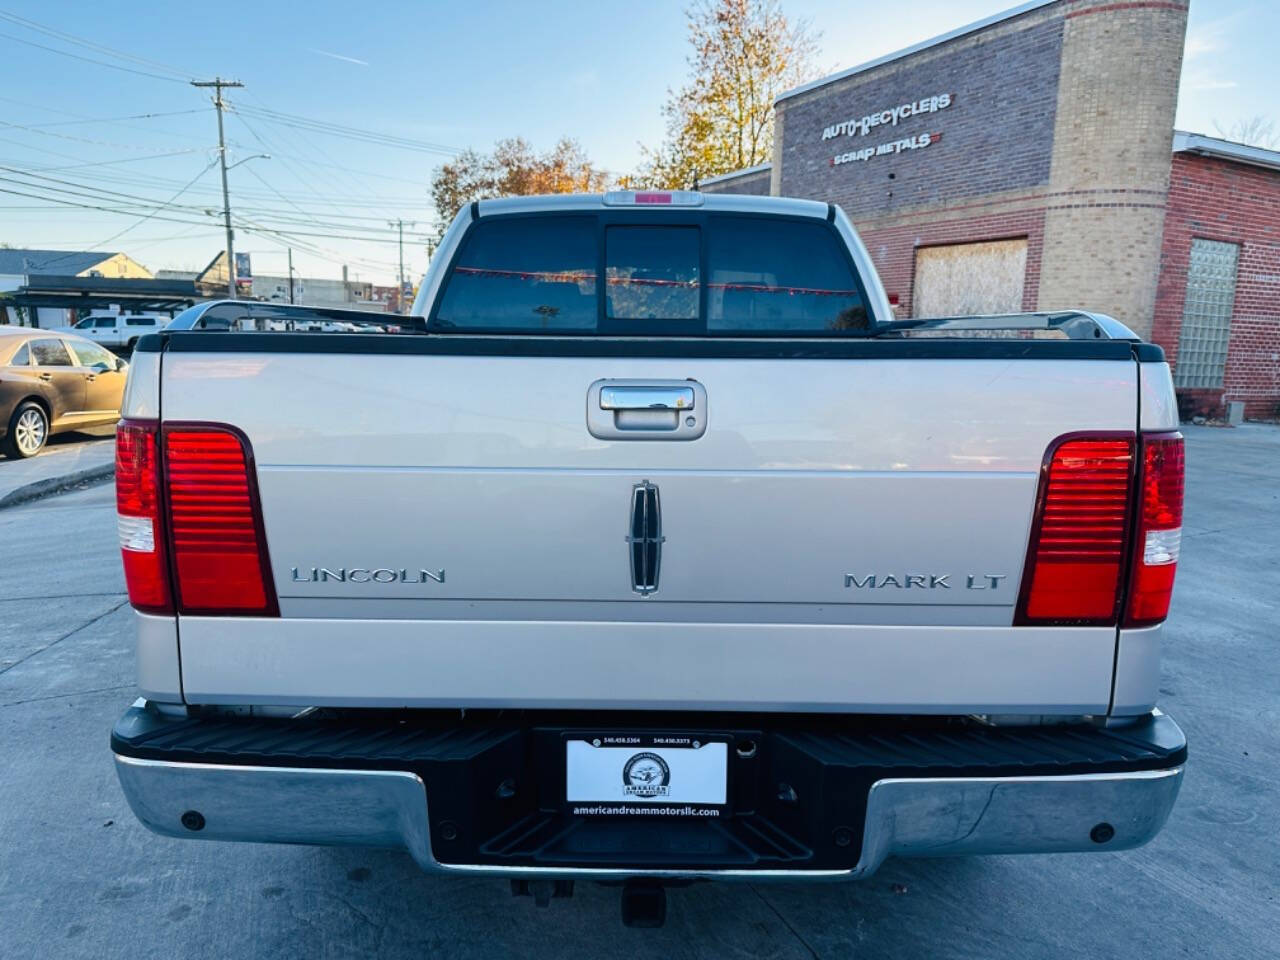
(450,74)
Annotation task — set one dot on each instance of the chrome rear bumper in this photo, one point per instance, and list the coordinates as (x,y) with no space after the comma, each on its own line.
(923,817)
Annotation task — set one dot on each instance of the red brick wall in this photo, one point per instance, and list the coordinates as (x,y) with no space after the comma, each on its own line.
(893,249)
(1220,200)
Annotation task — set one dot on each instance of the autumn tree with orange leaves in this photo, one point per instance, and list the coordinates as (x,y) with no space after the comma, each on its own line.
(513,169)
(745,53)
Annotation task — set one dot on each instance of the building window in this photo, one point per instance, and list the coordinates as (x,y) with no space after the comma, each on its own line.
(1206,315)
(967,279)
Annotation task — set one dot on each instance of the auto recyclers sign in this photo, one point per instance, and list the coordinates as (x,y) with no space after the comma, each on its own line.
(887,117)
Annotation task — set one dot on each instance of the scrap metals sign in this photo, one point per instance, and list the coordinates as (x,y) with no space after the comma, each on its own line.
(889,117)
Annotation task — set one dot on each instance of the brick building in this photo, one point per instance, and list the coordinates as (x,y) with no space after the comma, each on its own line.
(1024,163)
(1217,311)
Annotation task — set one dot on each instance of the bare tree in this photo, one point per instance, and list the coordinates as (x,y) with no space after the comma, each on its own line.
(1255,131)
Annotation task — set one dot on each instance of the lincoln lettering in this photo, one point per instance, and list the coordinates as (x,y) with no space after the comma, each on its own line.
(922,581)
(365,575)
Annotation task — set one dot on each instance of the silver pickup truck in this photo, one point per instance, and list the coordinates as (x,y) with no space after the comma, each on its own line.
(650,547)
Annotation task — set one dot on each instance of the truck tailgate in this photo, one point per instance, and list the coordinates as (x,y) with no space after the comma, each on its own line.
(844,534)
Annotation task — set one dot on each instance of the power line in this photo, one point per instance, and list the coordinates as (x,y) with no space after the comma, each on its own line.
(78,195)
(113,121)
(296,158)
(350,133)
(90,44)
(145,217)
(142,203)
(29,146)
(101,63)
(155,180)
(245,223)
(135,244)
(132,116)
(305,181)
(310,148)
(309,161)
(106,163)
(294,237)
(88,190)
(84,206)
(284,239)
(289,232)
(313,217)
(69,136)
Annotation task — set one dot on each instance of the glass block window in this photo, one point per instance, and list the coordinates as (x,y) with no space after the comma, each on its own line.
(1206,315)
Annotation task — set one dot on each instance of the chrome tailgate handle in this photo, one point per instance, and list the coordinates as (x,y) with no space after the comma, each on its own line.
(646,409)
(645,397)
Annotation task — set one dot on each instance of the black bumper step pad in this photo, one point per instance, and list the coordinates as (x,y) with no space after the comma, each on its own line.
(797,799)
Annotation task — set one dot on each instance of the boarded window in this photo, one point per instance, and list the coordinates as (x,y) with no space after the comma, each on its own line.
(968,279)
(1206,314)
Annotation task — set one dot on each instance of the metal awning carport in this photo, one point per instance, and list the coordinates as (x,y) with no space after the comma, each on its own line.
(96,292)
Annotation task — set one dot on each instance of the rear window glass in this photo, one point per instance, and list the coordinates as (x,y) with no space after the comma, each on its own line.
(702,275)
(651,273)
(50,353)
(775,275)
(524,275)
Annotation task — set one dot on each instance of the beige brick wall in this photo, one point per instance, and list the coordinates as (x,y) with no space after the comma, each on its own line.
(1109,173)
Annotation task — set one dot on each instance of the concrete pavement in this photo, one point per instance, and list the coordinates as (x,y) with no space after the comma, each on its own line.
(68,459)
(80,878)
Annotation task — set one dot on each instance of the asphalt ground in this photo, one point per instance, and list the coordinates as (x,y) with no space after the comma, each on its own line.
(80,878)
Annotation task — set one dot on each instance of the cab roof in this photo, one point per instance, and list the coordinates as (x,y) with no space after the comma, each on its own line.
(651,200)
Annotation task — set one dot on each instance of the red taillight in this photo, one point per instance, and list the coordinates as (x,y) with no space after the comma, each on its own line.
(1158,538)
(138,517)
(1076,556)
(215,529)
(197,514)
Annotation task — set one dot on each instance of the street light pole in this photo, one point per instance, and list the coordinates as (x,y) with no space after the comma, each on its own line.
(218,83)
(291,274)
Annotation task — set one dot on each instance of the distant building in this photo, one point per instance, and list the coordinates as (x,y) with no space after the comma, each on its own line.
(753,181)
(1029,162)
(343,294)
(18,266)
(1217,310)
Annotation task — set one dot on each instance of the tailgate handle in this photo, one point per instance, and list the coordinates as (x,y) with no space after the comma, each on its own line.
(646,409)
(646,398)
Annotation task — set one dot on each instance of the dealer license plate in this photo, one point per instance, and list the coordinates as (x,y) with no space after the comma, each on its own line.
(627,771)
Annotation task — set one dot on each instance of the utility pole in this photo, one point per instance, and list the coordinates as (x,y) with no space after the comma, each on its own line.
(291,274)
(399,225)
(218,83)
